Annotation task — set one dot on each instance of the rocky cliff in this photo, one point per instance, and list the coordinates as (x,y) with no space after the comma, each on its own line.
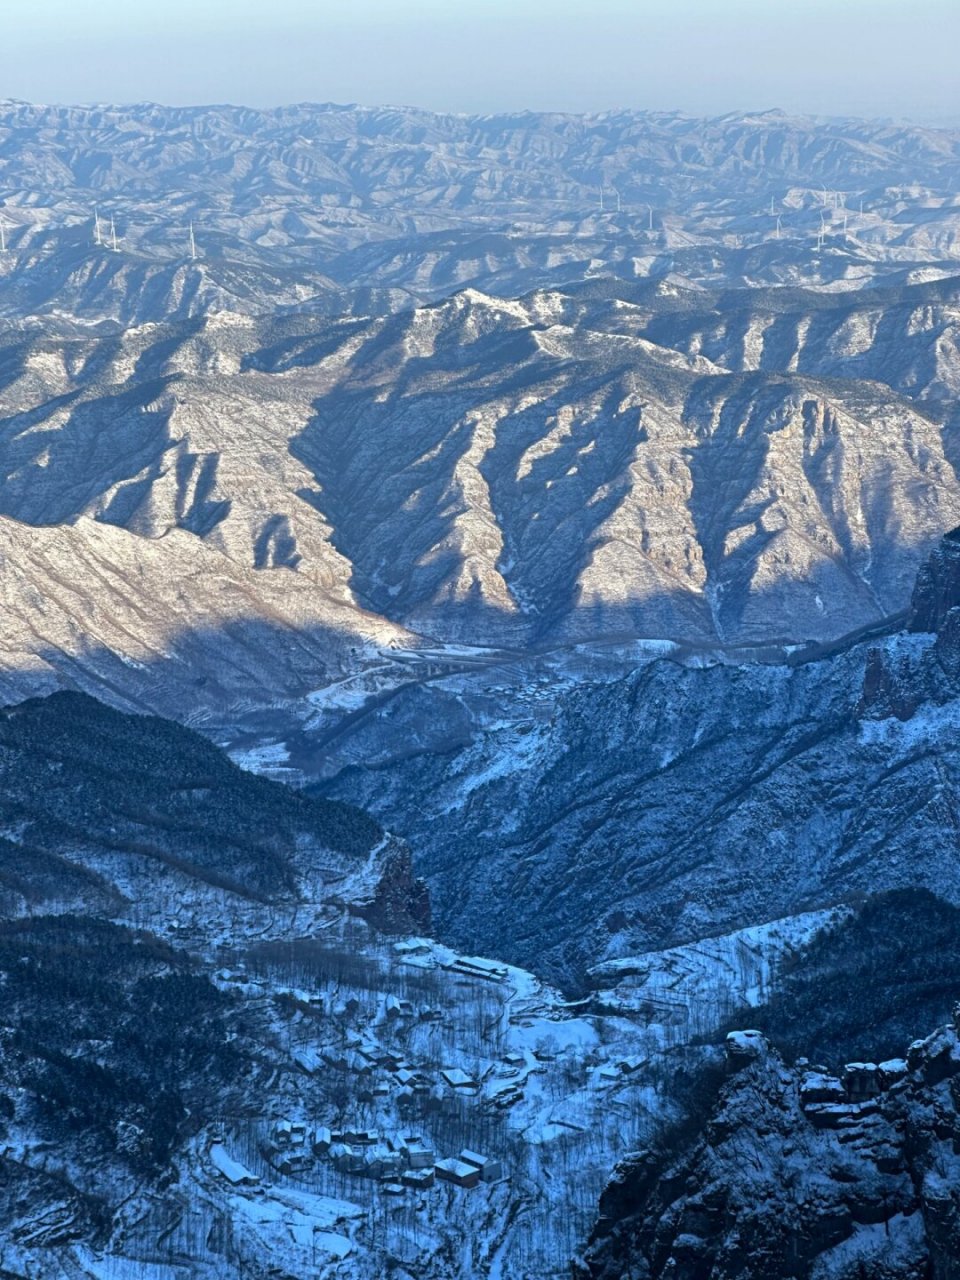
(799,1172)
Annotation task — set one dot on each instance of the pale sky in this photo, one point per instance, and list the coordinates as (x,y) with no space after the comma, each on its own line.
(867,57)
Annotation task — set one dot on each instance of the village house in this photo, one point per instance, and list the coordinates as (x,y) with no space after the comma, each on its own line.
(441,1100)
(477,967)
(457,1078)
(345,1159)
(361,1137)
(384,1163)
(630,1065)
(412,947)
(346,1008)
(458,1172)
(229,1169)
(358,1065)
(419,1155)
(289,1133)
(286,1160)
(489,1170)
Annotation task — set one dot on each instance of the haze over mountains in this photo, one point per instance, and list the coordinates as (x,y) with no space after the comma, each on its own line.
(300,205)
(599,559)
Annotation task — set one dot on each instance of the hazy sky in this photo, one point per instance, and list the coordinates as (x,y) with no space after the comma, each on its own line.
(870,57)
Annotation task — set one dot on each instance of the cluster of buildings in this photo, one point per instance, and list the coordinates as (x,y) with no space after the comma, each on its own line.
(397,1161)
(381,1074)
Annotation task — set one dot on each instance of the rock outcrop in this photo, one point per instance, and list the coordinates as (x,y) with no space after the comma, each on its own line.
(401,901)
(797,1175)
(938,586)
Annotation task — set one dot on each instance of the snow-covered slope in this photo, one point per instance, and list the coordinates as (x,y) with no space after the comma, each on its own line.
(481,469)
(684,798)
(227,1051)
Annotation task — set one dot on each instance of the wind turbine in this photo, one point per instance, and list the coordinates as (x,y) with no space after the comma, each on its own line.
(778,226)
(193,245)
(113,236)
(3,234)
(96,220)
(617,194)
(650,225)
(601,197)
(771,206)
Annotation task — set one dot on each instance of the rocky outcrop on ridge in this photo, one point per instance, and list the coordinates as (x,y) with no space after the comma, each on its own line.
(799,1172)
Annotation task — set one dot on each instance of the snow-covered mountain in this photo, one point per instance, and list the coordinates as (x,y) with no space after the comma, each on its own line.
(483,471)
(687,796)
(595,557)
(336,207)
(409,387)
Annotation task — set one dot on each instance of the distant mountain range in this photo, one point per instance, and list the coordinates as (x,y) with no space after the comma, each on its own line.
(347,208)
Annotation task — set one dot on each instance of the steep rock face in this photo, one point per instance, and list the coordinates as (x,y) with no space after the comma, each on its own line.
(938,586)
(401,902)
(780,1183)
